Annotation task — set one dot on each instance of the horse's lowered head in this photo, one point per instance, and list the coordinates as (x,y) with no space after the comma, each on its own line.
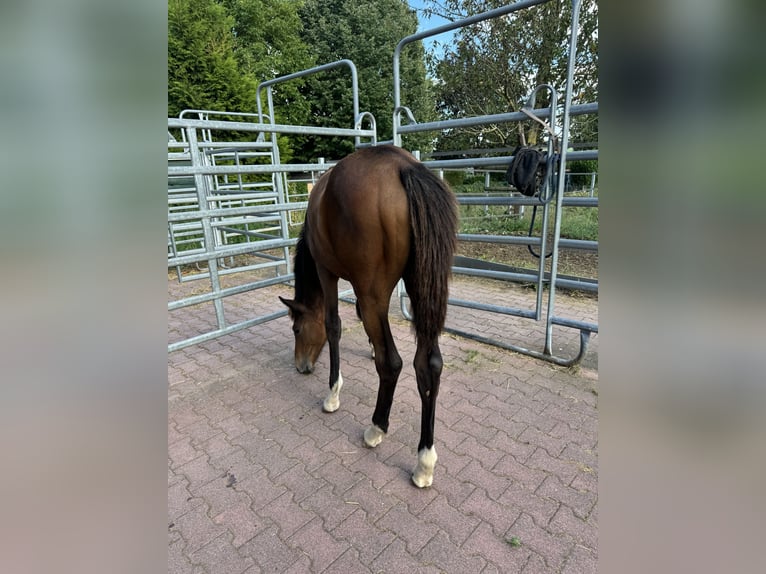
(309,331)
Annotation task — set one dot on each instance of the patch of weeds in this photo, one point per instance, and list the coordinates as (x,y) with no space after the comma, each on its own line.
(514,541)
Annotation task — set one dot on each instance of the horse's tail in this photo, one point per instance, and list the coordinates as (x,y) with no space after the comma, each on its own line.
(433,227)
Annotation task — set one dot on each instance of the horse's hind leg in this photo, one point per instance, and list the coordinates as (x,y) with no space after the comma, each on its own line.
(332,327)
(359,314)
(388,364)
(428,368)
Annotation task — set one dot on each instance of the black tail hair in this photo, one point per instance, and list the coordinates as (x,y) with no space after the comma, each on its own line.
(433,227)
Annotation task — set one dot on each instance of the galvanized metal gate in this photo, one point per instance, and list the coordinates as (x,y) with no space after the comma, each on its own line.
(551,199)
(228,199)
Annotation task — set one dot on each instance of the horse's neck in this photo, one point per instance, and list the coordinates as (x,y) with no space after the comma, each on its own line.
(308,289)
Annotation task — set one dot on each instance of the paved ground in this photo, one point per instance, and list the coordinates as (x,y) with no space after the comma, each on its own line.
(260,480)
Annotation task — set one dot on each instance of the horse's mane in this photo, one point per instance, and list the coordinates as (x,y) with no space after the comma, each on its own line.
(307,286)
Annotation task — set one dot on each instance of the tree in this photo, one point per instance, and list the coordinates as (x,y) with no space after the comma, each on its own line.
(267,44)
(203,72)
(366,32)
(495,65)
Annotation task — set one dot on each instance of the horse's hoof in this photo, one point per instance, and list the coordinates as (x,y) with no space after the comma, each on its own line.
(373,436)
(423,475)
(332,402)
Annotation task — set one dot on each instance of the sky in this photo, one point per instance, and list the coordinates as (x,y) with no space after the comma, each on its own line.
(428,23)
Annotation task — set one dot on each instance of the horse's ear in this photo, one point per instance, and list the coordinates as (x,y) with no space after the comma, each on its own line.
(294,306)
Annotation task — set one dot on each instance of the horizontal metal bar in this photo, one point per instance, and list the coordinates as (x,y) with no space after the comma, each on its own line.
(526,313)
(237,169)
(503,275)
(500,161)
(475,199)
(470,20)
(580,109)
(232,270)
(574,324)
(206,297)
(230,251)
(226,331)
(584,338)
(582,285)
(526,240)
(268,128)
(235,211)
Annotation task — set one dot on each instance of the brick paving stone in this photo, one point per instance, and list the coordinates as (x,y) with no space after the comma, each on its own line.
(348,563)
(552,445)
(338,475)
(584,532)
(510,445)
(581,561)
(441,552)
(499,516)
(414,498)
(260,480)
(323,548)
(457,525)
(454,489)
(536,565)
(182,451)
(331,507)
(396,558)
(178,563)
(485,456)
(565,469)
(581,502)
(365,537)
(180,500)
(540,508)
(377,470)
(452,462)
(374,502)
(220,557)
(236,462)
(221,497)
(552,547)
(286,514)
(411,528)
(300,482)
(199,472)
(242,522)
(197,529)
(490,546)
(259,489)
(529,477)
(493,483)
(270,553)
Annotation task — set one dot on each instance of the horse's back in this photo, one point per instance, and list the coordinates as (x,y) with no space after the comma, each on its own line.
(360,218)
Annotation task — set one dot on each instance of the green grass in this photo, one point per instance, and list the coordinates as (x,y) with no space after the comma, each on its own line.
(576,222)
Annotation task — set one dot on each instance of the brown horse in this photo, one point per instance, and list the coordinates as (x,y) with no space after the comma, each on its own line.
(377,216)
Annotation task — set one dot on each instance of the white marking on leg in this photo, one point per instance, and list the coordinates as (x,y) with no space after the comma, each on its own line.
(373,436)
(372,350)
(423,475)
(332,402)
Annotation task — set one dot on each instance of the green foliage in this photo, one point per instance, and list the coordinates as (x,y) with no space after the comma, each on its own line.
(267,45)
(202,70)
(219,50)
(494,66)
(366,32)
(576,222)
(581,171)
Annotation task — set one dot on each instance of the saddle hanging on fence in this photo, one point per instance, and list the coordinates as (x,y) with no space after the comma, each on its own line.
(527,170)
